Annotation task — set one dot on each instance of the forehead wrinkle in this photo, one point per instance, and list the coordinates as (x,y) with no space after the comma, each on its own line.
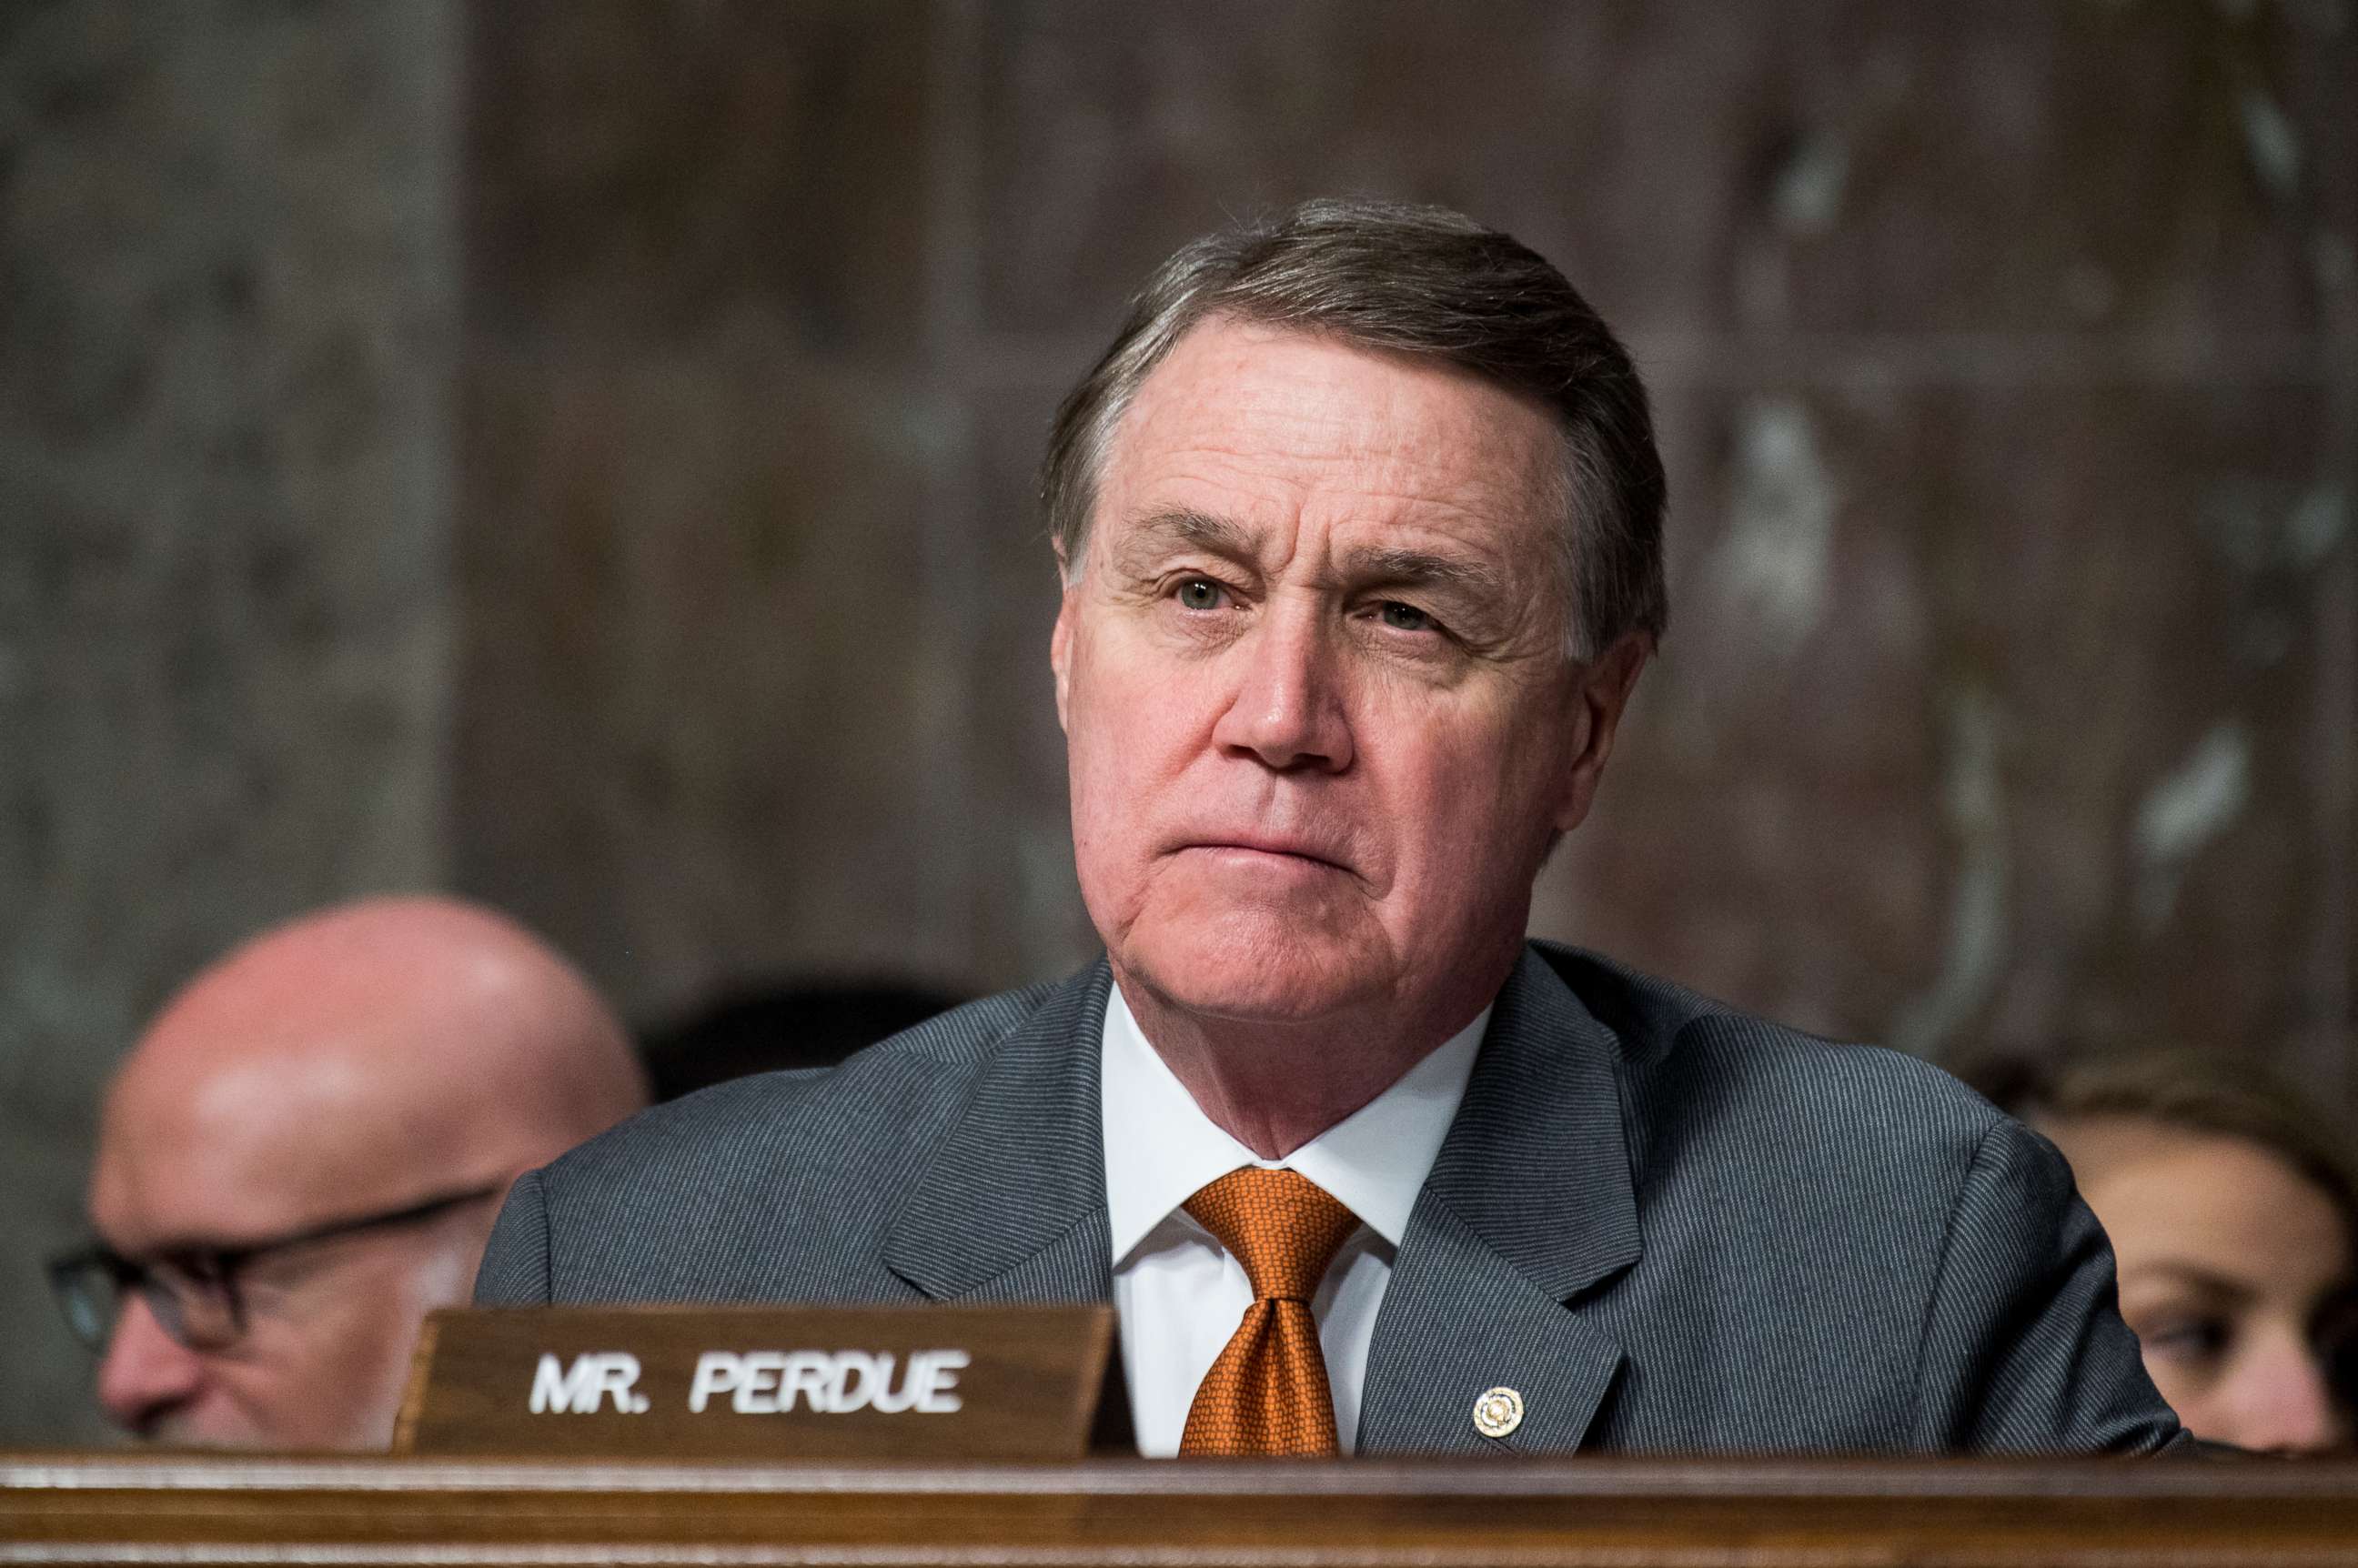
(1413,436)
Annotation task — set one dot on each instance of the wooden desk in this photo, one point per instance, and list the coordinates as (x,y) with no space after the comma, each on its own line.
(130,1508)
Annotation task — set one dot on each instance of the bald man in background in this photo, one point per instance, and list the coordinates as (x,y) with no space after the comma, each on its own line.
(303,1156)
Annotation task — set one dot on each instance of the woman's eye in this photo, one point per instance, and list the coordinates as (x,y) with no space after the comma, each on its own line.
(1200,593)
(2186,1339)
(1405,617)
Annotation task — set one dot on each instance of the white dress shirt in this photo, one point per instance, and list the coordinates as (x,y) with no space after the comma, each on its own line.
(1179,1294)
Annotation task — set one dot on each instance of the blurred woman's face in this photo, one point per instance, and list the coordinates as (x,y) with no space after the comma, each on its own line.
(2236,1273)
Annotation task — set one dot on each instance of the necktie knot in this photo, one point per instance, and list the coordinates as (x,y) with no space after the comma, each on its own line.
(1284,1227)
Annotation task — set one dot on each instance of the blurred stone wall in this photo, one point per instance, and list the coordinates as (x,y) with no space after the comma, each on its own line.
(2005,355)
(228,281)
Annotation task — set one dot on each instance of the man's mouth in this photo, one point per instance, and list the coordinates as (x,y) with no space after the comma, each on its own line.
(1264,847)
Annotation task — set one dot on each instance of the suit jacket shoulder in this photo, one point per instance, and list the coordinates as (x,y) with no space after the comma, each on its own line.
(1851,1221)
(1723,1106)
(770,1187)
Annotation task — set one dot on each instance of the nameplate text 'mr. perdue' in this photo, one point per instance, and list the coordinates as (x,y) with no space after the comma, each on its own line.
(916,1382)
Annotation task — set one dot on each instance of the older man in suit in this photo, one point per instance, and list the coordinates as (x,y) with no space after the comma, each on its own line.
(1359,527)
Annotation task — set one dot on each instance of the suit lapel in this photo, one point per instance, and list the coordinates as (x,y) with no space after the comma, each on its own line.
(1529,1202)
(1014,1207)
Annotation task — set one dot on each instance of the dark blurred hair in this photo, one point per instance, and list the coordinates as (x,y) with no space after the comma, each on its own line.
(1427,282)
(800,1025)
(2182,1089)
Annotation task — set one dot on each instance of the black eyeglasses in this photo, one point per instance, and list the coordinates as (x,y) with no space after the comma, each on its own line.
(193,1290)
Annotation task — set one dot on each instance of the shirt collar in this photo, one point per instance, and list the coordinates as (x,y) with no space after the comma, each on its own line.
(1160,1147)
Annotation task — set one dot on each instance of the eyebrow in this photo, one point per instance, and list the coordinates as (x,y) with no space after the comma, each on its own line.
(2198,1276)
(1185,526)
(1422,568)
(1382,564)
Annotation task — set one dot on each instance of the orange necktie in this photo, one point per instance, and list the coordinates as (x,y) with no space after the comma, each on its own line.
(1268,1391)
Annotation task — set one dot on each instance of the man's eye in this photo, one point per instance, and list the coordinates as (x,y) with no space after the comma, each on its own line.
(1200,593)
(1405,617)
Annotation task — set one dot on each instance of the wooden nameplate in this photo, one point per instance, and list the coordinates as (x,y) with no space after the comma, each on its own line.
(757,1382)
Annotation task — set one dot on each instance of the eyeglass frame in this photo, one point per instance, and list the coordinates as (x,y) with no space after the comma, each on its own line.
(208,1267)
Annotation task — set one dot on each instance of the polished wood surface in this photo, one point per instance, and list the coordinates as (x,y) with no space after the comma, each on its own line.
(170,1509)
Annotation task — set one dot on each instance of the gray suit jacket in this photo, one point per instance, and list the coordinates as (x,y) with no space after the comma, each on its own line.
(1673,1227)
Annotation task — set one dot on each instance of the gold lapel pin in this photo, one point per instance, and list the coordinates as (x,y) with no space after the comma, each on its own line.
(1497,1412)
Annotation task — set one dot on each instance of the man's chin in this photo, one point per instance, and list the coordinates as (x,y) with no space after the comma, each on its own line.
(1250,971)
(230,1427)
(197,1431)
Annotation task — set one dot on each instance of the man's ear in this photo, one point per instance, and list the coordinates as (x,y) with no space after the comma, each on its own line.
(1060,640)
(1600,693)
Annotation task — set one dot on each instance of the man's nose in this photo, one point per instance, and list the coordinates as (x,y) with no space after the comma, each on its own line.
(146,1371)
(1288,709)
(2289,1406)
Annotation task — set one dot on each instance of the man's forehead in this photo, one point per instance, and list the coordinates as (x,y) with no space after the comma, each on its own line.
(203,1147)
(1248,425)
(229,1140)
(1259,387)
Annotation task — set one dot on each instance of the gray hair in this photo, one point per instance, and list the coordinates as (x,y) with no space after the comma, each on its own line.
(1415,281)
